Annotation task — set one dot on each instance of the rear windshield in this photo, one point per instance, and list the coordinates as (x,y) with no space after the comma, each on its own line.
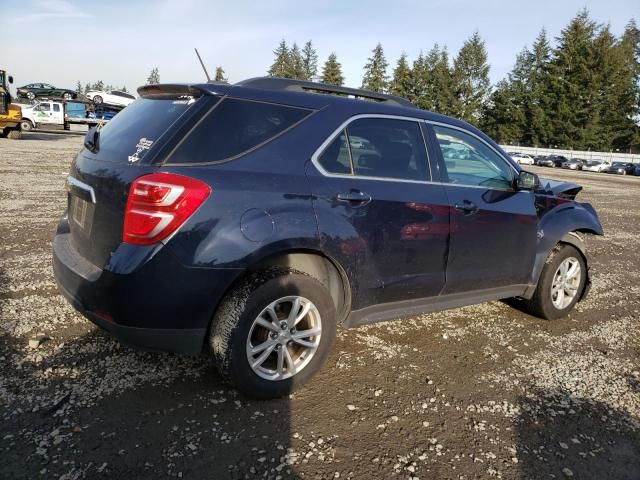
(234,127)
(132,132)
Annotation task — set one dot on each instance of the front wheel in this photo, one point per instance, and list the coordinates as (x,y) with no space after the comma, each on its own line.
(560,285)
(31,95)
(272,332)
(26,125)
(97,99)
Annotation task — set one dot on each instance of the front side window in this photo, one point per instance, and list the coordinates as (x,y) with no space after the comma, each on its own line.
(234,127)
(44,107)
(469,161)
(56,107)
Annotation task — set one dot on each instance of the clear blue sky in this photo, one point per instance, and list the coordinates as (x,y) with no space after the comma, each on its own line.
(62,41)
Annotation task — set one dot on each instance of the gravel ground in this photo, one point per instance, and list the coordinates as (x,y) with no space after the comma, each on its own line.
(476,392)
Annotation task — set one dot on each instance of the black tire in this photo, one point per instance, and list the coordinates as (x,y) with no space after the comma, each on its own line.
(97,99)
(26,125)
(238,310)
(31,95)
(14,134)
(541,304)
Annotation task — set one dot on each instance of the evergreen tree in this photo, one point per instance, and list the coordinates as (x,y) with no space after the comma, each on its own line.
(282,61)
(310,61)
(629,99)
(501,115)
(332,71)
(79,88)
(154,77)
(402,82)
(420,74)
(375,71)
(539,127)
(296,64)
(87,88)
(471,77)
(442,88)
(99,86)
(124,89)
(571,81)
(219,77)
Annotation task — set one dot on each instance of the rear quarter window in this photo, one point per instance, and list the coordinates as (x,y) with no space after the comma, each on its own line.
(234,127)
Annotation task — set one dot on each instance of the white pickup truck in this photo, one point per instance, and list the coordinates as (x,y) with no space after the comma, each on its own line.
(50,114)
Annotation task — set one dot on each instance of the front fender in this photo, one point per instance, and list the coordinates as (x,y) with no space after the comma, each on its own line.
(562,224)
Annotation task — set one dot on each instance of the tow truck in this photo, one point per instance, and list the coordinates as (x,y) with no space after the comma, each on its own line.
(10,114)
(62,114)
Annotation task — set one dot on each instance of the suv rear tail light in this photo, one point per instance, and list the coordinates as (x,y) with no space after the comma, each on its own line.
(158,204)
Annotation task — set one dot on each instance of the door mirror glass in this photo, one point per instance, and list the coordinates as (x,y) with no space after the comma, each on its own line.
(10,79)
(527,181)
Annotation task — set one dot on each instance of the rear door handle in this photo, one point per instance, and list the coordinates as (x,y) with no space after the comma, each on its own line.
(469,208)
(355,198)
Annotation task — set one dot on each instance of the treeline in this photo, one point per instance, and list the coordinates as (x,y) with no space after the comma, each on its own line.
(98,86)
(583,92)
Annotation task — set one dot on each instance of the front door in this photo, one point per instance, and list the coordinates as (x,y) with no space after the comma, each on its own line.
(493,226)
(377,214)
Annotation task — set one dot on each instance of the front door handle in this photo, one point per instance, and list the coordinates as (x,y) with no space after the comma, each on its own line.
(355,198)
(467,207)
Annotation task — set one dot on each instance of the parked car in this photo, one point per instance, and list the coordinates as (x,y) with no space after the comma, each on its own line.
(555,161)
(112,97)
(596,165)
(621,168)
(540,160)
(239,220)
(573,164)
(42,90)
(636,170)
(523,159)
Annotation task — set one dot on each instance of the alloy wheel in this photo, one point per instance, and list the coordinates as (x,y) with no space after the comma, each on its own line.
(566,282)
(283,338)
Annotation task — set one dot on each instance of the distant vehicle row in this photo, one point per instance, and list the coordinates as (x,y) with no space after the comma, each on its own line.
(560,161)
(45,90)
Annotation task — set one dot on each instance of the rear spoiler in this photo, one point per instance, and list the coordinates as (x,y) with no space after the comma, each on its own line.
(177,90)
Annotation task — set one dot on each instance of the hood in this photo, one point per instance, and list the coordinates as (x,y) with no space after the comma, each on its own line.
(559,188)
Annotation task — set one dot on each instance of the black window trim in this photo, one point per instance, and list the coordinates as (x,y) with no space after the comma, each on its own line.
(241,154)
(315,158)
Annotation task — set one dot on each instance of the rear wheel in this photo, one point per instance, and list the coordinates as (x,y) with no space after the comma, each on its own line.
(31,95)
(97,99)
(14,134)
(560,285)
(67,96)
(272,332)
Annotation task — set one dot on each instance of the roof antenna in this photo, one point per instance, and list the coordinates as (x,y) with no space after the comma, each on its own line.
(203,67)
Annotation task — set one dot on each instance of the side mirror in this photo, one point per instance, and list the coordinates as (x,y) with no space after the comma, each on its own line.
(10,79)
(527,181)
(91,140)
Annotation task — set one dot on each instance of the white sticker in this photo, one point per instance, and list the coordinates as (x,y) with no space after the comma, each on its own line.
(142,145)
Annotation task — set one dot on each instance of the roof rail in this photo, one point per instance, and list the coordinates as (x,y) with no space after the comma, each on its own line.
(277,83)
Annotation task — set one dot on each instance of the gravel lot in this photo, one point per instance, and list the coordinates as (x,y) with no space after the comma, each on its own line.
(477,392)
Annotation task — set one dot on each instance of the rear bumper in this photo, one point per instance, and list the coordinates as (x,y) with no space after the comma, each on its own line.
(161,305)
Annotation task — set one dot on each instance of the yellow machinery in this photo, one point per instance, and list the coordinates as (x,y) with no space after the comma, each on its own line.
(10,115)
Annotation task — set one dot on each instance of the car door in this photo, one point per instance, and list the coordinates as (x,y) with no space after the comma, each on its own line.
(493,226)
(57,113)
(43,113)
(377,213)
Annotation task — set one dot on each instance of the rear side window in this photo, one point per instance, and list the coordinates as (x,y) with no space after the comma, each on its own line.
(234,127)
(380,148)
(133,131)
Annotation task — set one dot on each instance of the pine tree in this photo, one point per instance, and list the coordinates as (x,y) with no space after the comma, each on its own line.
(571,81)
(501,115)
(402,82)
(332,71)
(539,127)
(282,61)
(375,71)
(154,77)
(220,77)
(99,86)
(471,77)
(124,89)
(629,99)
(420,73)
(79,87)
(296,64)
(87,88)
(310,61)
(442,87)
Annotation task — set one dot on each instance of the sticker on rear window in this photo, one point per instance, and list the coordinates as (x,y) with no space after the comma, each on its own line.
(143,145)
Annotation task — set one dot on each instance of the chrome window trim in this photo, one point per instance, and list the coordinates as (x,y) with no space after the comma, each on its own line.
(71,181)
(344,125)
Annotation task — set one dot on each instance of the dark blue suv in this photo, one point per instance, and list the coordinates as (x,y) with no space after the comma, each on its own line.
(251,220)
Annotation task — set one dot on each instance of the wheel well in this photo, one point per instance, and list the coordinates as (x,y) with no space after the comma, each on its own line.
(323,269)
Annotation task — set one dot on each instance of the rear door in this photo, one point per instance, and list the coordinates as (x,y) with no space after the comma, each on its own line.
(377,212)
(493,226)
